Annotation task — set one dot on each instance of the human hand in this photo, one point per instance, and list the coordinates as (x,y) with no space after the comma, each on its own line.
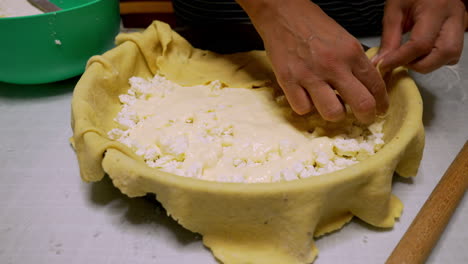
(312,56)
(437,32)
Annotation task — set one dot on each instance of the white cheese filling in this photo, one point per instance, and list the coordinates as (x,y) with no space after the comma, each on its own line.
(217,133)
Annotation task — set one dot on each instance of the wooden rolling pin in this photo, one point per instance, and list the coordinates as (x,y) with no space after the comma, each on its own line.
(418,241)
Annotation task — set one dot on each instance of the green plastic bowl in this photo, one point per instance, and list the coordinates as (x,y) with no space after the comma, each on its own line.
(55,46)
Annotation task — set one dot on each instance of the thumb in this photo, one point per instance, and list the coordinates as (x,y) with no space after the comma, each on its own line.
(392,31)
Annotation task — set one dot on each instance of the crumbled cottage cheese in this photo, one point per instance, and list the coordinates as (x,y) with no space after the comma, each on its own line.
(217,133)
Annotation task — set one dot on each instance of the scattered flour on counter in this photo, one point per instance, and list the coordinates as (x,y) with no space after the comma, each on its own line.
(14,8)
(217,133)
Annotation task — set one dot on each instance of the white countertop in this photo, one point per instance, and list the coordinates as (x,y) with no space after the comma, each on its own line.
(48,215)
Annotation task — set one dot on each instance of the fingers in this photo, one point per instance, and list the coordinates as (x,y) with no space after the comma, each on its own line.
(360,86)
(357,96)
(370,78)
(392,31)
(297,97)
(422,39)
(364,91)
(447,50)
(325,100)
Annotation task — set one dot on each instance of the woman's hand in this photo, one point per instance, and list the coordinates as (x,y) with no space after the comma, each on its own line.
(312,56)
(437,31)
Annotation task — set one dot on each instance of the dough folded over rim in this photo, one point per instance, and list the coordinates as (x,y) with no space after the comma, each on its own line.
(240,223)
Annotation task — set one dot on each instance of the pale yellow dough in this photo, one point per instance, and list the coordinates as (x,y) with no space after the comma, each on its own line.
(240,223)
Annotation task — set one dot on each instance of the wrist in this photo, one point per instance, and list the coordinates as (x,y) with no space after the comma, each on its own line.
(263,13)
(265,9)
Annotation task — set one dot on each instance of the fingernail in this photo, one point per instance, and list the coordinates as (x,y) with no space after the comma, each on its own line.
(375,59)
(381,69)
(380,54)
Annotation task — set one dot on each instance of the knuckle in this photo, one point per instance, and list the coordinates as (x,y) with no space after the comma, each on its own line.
(365,105)
(326,51)
(378,84)
(453,52)
(304,73)
(333,112)
(310,83)
(457,6)
(363,67)
(354,51)
(301,109)
(330,70)
(325,67)
(329,56)
(454,61)
(377,88)
(423,46)
(421,69)
(285,77)
(355,47)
